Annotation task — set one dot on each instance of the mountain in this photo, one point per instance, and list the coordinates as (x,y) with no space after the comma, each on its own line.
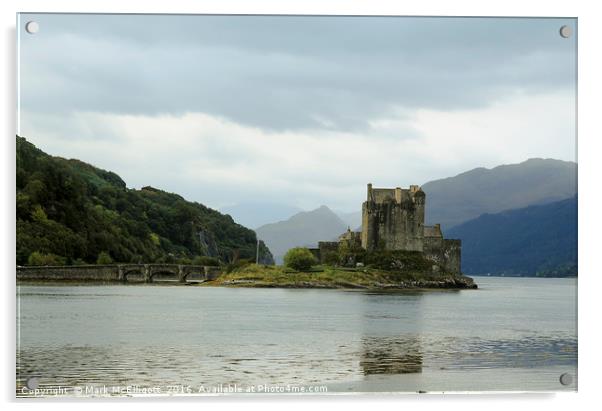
(452,201)
(301,230)
(353,219)
(255,214)
(535,240)
(72,212)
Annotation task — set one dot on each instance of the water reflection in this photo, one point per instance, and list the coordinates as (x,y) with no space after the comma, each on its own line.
(391,355)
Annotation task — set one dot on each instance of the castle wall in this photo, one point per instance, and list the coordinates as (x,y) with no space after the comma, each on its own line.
(380,195)
(452,252)
(367,235)
(433,249)
(327,247)
(446,253)
(350,239)
(324,247)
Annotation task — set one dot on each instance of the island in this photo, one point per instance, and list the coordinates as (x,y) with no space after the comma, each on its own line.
(339,277)
(394,250)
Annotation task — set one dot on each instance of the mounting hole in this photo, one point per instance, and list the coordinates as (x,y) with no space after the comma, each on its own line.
(32,27)
(566,31)
(566,379)
(32,383)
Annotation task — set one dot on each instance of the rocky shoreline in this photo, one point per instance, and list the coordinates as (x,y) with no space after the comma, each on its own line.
(457,282)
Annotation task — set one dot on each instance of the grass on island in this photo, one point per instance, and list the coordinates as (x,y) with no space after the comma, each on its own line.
(254,275)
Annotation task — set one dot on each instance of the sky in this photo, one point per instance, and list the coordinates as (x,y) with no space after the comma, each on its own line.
(295,110)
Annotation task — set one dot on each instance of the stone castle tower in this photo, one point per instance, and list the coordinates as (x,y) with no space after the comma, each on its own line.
(393,218)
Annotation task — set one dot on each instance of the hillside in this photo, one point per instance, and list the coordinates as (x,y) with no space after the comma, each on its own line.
(301,230)
(72,212)
(452,201)
(536,240)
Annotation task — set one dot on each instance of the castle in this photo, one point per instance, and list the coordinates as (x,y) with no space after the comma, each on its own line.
(393,219)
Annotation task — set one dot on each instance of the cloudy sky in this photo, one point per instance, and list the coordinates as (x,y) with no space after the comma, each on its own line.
(296,110)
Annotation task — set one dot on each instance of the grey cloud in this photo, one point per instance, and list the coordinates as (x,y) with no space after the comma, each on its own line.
(282,73)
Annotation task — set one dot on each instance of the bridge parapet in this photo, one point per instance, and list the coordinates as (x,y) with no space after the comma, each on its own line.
(211,273)
(70,272)
(114,272)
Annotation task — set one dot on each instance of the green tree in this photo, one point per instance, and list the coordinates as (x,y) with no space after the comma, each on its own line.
(37,258)
(38,214)
(299,259)
(104,258)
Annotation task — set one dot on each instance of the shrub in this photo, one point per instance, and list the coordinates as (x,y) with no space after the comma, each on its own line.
(350,254)
(205,260)
(166,259)
(330,258)
(398,260)
(184,261)
(37,258)
(104,258)
(236,265)
(350,258)
(299,259)
(155,239)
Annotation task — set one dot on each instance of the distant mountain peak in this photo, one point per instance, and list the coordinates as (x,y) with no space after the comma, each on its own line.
(257,213)
(454,200)
(303,229)
(322,210)
(545,160)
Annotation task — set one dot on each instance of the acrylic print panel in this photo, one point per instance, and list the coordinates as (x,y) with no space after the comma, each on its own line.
(295,204)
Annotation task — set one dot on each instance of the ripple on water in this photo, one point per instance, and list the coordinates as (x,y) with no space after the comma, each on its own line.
(158,336)
(152,366)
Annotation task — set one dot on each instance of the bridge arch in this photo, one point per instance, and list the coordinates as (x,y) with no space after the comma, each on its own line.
(172,271)
(131,271)
(188,271)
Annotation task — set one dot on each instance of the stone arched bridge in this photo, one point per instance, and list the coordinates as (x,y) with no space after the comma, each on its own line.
(119,272)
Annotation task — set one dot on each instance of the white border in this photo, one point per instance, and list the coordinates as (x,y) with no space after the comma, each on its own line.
(590,71)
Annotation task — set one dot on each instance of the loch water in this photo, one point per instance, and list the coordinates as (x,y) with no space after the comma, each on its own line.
(512,334)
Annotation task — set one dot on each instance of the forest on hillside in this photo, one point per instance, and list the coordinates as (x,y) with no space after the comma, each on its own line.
(539,240)
(70,212)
